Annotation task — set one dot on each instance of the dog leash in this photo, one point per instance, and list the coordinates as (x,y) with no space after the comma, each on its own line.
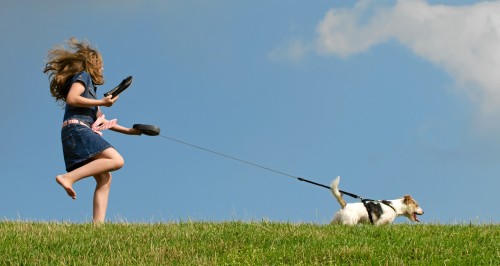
(366,202)
(259,166)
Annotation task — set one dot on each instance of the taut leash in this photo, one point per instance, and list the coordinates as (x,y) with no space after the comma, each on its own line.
(259,166)
(366,202)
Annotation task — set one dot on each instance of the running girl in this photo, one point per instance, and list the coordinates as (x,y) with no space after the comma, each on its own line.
(74,73)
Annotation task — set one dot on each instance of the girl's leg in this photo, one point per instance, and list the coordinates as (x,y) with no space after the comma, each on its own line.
(101,194)
(106,161)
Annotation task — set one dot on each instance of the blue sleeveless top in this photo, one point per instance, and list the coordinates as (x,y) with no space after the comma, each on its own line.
(84,114)
(79,142)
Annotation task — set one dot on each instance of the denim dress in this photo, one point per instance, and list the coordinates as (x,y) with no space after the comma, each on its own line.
(79,142)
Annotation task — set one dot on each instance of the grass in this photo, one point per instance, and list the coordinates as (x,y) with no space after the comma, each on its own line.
(246,243)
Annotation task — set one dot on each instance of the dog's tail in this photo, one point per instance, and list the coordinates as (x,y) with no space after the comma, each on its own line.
(334,187)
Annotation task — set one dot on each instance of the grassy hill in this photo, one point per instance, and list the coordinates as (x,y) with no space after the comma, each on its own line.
(247,243)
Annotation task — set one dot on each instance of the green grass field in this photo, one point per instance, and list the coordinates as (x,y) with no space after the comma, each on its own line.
(246,243)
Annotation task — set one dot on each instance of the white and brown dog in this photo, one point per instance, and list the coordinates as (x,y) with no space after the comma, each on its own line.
(376,212)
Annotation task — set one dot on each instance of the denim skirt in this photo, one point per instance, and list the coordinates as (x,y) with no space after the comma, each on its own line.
(80,144)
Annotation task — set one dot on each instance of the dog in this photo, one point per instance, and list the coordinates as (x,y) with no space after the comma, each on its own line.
(377,212)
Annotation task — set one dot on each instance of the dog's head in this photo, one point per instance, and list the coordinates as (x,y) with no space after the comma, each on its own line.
(412,208)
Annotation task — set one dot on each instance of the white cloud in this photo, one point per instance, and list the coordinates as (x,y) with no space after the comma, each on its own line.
(463,40)
(340,32)
(293,52)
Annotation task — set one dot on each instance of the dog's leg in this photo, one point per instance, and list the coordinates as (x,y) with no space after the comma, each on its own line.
(334,187)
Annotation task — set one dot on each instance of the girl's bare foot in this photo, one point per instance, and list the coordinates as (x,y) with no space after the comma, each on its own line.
(66,185)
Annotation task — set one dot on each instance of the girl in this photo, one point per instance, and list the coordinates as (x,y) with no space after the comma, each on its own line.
(73,74)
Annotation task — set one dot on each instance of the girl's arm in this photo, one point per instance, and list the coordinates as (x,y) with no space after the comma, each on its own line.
(74,98)
(118,128)
(126,130)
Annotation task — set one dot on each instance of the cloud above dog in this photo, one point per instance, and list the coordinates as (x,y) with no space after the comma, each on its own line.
(462,40)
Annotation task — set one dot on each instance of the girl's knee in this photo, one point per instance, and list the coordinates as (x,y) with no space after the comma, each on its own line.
(118,162)
(103,179)
(116,159)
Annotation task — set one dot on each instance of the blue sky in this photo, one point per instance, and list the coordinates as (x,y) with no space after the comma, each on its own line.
(396,97)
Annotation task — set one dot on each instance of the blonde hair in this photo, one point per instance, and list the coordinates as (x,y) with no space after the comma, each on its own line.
(63,63)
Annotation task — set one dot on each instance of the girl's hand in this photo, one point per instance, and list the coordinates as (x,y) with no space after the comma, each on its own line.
(108,101)
(126,130)
(134,131)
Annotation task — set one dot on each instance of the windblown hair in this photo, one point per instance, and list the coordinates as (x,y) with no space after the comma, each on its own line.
(63,63)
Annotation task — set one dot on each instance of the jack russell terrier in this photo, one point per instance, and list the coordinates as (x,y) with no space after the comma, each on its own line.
(376,212)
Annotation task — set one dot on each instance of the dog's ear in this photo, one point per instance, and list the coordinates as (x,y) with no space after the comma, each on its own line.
(407,199)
